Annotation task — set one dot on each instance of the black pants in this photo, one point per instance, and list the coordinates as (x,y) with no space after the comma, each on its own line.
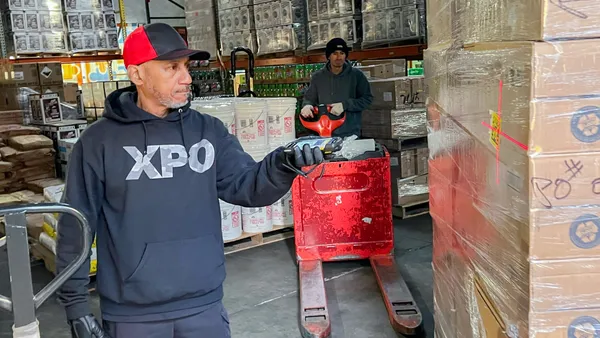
(212,323)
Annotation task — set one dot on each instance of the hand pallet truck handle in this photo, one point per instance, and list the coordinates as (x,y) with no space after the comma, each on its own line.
(250,77)
(23,302)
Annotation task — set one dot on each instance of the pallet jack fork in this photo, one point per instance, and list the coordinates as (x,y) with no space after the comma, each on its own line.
(344,212)
(23,302)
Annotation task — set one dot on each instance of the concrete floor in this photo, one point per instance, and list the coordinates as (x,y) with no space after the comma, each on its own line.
(261,290)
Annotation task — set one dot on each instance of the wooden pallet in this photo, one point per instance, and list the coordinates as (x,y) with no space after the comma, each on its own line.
(411,210)
(97,53)
(248,241)
(35,56)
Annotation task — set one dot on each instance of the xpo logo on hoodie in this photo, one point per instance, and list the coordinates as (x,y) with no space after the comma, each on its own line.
(171,156)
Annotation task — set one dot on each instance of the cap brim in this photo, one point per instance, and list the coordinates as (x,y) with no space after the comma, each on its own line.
(199,55)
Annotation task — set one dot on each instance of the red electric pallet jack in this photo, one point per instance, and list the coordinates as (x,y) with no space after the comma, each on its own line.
(343,211)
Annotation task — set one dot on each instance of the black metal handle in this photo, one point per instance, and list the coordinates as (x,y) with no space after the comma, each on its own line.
(250,61)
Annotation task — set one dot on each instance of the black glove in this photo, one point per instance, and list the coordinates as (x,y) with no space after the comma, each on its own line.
(305,157)
(87,327)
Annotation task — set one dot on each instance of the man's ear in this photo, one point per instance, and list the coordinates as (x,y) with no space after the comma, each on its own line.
(136,74)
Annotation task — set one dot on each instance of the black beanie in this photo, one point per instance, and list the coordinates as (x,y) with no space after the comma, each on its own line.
(336,44)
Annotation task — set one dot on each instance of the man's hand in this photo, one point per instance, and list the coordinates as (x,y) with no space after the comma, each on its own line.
(301,157)
(307,112)
(337,109)
(87,327)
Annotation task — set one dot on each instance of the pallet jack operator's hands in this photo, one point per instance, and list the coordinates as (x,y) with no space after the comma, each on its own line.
(87,327)
(337,109)
(307,112)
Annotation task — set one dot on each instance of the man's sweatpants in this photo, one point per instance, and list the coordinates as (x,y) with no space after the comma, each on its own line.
(212,323)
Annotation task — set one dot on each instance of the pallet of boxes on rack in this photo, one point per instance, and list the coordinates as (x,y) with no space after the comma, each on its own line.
(386,22)
(514,170)
(33,28)
(236,25)
(280,25)
(29,78)
(261,125)
(397,119)
(328,19)
(93,95)
(92,26)
(200,24)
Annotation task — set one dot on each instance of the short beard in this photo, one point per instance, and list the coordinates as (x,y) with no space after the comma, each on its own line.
(166,101)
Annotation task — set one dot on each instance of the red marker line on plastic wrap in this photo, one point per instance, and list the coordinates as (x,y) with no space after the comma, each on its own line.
(500,133)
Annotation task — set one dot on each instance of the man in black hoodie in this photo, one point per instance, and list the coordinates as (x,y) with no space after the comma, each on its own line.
(340,85)
(148,177)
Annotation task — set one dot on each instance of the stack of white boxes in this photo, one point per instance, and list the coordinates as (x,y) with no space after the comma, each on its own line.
(200,23)
(92,25)
(236,25)
(33,26)
(328,19)
(278,25)
(387,21)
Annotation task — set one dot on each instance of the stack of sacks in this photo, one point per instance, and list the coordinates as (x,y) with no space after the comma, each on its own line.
(53,194)
(26,156)
(34,221)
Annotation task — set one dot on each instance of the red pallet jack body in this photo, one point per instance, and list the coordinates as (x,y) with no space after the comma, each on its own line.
(343,211)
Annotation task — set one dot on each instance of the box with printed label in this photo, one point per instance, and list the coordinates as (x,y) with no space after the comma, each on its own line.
(45,108)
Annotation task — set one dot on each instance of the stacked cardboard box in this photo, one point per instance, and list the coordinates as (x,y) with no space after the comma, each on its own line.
(17,83)
(279,25)
(236,25)
(328,19)
(26,156)
(33,27)
(201,26)
(397,119)
(391,21)
(514,175)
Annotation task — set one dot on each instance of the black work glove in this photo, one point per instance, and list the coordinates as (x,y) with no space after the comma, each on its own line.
(305,156)
(87,327)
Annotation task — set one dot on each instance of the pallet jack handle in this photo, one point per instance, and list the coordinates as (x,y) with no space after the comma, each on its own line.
(250,75)
(323,122)
(23,302)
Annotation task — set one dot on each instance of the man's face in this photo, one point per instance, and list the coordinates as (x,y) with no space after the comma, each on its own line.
(337,58)
(167,81)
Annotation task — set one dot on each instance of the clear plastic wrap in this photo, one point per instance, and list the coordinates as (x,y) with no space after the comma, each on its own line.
(200,23)
(394,124)
(514,185)
(517,20)
(279,25)
(320,32)
(392,21)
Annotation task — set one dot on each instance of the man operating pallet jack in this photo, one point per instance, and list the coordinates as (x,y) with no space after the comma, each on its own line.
(148,177)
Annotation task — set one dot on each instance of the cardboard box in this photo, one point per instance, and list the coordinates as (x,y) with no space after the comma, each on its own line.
(21,75)
(519,20)
(398,65)
(50,74)
(45,108)
(407,163)
(381,71)
(397,93)
(422,161)
(546,88)
(391,124)
(65,147)
(412,190)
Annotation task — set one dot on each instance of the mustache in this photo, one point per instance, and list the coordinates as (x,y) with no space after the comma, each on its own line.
(184,90)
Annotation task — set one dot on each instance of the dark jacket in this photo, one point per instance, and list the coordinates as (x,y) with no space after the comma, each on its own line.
(150,188)
(350,87)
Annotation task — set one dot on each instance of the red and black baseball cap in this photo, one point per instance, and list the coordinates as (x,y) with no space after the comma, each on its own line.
(157,41)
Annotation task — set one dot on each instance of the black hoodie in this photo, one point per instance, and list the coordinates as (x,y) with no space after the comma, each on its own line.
(150,188)
(350,87)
